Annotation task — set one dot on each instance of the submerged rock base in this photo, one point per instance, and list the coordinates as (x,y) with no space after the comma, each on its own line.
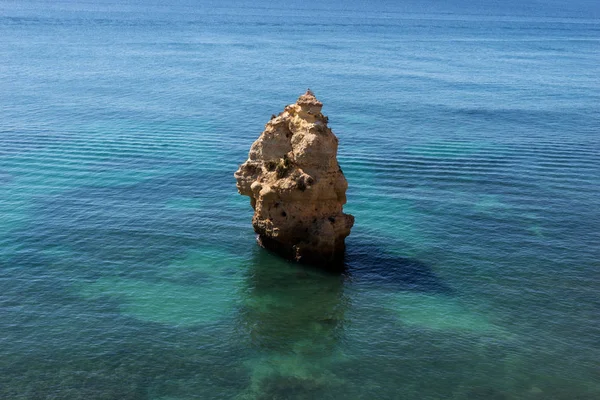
(333,261)
(296,186)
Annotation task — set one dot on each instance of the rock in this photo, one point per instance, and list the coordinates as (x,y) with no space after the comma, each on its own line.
(296,186)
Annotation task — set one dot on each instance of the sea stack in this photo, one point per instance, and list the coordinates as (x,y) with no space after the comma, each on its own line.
(296,186)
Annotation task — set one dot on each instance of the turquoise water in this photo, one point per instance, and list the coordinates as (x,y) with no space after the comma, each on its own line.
(469,138)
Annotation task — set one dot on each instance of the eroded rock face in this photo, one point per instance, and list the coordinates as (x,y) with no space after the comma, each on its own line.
(296,186)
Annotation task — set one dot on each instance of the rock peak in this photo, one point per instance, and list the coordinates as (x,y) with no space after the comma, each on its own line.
(308,95)
(309,102)
(296,186)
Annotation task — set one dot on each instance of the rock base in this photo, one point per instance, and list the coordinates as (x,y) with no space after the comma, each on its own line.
(333,261)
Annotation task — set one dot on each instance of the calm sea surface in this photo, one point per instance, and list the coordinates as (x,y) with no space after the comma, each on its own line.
(470,137)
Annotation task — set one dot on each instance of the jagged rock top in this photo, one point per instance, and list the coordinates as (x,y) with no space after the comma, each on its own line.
(309,99)
(296,186)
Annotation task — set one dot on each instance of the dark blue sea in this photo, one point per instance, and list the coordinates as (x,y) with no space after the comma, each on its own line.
(470,137)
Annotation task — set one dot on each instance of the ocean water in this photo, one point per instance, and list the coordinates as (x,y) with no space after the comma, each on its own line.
(469,135)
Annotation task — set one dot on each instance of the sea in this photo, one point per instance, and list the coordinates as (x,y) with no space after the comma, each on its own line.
(469,133)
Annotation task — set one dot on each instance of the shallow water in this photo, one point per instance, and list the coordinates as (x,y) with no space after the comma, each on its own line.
(468,135)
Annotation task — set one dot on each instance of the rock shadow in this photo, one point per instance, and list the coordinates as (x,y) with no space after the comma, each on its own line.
(371,262)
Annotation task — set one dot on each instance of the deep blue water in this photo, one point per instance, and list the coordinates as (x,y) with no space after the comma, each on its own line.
(469,135)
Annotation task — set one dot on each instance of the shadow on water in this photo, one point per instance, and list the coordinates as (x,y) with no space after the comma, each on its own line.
(287,302)
(294,317)
(371,263)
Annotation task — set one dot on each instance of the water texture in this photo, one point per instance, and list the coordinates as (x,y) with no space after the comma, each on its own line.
(469,137)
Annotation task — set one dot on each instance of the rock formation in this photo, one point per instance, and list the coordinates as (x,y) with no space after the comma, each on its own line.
(296,186)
